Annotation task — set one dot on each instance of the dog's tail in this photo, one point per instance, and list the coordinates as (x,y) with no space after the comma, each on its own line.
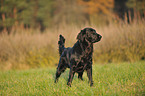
(61,44)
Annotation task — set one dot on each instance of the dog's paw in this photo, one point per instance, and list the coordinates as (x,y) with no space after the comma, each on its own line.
(56,81)
(91,84)
(69,84)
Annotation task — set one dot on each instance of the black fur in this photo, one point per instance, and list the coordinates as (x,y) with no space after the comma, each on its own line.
(79,57)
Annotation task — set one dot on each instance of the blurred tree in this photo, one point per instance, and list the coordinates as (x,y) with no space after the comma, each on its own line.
(97,6)
(96,10)
(2,14)
(68,12)
(9,13)
(30,13)
(120,8)
(45,13)
(37,14)
(137,6)
(128,9)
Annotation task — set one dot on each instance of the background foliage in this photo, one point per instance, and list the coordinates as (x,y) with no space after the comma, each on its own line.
(29,30)
(47,13)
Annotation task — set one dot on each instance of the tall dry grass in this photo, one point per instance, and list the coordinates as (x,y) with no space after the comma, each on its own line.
(30,48)
(123,42)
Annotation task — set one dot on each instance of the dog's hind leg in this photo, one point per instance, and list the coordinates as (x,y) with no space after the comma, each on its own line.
(80,74)
(60,69)
(71,75)
(58,73)
(57,76)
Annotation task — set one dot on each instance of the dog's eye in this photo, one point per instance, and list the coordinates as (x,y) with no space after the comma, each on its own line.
(93,32)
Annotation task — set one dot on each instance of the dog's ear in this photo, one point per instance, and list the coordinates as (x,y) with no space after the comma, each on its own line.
(61,38)
(80,35)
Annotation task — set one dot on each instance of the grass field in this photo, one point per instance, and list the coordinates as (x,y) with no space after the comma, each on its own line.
(123,79)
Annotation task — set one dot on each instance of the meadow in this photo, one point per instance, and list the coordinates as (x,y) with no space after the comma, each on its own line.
(29,33)
(28,60)
(121,79)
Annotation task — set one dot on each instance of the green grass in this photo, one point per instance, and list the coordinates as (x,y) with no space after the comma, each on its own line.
(124,79)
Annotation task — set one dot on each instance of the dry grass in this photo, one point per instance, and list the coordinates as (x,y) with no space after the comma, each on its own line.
(122,43)
(30,48)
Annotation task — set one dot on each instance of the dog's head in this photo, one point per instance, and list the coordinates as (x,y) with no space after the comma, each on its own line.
(90,35)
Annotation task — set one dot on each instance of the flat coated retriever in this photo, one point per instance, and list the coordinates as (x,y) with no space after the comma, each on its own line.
(79,57)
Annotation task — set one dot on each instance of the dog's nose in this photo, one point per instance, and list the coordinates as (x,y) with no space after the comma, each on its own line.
(100,36)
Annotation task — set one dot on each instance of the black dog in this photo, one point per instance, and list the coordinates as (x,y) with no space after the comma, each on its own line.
(79,57)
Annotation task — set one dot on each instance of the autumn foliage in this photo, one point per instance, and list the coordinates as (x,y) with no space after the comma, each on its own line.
(43,14)
(97,6)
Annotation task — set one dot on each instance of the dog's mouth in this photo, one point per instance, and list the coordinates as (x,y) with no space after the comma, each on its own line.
(97,39)
(93,38)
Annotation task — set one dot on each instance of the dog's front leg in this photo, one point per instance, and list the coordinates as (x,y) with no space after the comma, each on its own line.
(71,75)
(89,73)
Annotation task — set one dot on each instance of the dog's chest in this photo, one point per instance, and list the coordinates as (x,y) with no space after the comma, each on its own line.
(80,67)
(88,51)
(83,64)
